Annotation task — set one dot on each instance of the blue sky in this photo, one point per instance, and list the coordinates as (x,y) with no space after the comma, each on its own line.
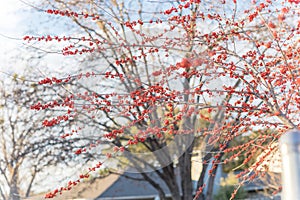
(18,19)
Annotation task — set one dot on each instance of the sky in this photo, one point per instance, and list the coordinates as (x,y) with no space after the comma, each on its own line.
(18,19)
(9,20)
(9,17)
(12,29)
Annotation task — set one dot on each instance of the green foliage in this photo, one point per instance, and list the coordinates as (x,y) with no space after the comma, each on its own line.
(237,162)
(104,172)
(225,192)
(228,186)
(230,180)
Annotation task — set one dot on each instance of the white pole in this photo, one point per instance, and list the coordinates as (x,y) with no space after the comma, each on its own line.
(290,159)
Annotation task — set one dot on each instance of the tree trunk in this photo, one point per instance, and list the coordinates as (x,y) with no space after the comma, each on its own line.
(14,192)
(210,185)
(175,193)
(185,174)
(160,191)
(201,181)
(171,181)
(202,175)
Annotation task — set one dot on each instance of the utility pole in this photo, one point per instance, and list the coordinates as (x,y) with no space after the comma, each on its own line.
(290,156)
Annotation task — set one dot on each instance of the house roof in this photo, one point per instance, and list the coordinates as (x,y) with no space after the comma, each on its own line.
(119,187)
(85,190)
(127,186)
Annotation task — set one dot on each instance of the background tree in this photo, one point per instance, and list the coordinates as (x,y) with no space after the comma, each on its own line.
(26,151)
(158,82)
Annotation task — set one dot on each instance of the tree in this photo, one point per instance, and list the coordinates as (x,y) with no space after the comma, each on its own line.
(26,151)
(160,83)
